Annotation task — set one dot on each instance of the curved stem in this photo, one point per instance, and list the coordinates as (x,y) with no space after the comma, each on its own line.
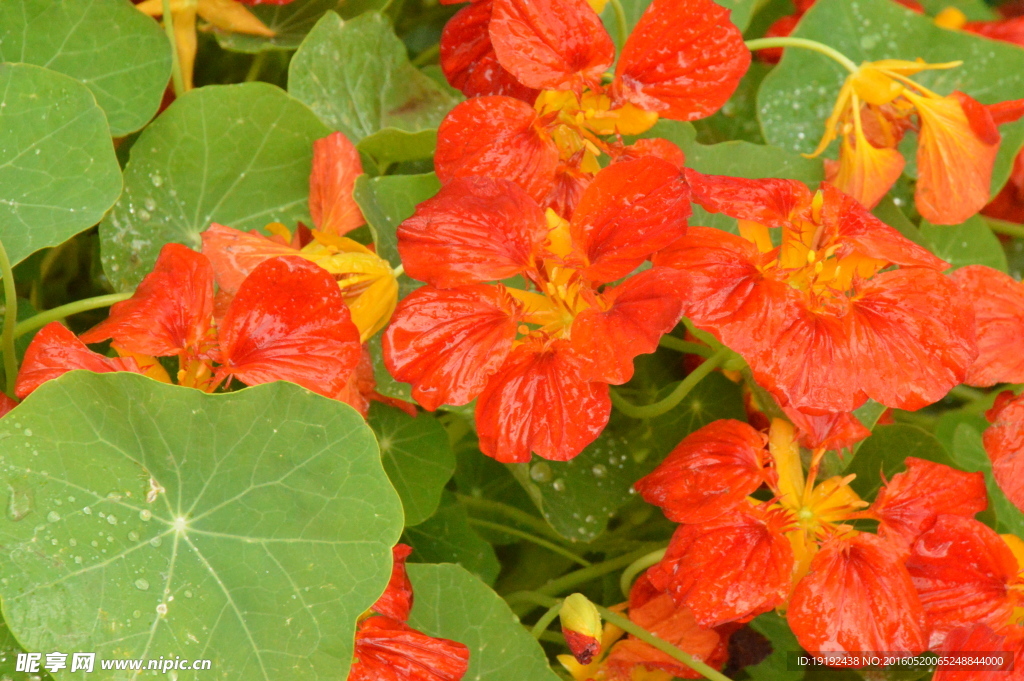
(635,629)
(512,513)
(813,45)
(638,566)
(256,66)
(1004,227)
(47,316)
(620,21)
(649,411)
(10,320)
(650,639)
(426,56)
(546,619)
(176,77)
(554,548)
(688,347)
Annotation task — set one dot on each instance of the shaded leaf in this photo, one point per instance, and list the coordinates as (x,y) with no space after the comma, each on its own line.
(417,458)
(392,145)
(357,77)
(290,23)
(252,527)
(775,667)
(58,170)
(448,537)
(969,243)
(386,202)
(238,155)
(883,454)
(452,603)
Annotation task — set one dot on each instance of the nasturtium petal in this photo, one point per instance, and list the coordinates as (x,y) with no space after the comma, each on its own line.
(858,596)
(448,343)
(476,229)
(58,170)
(190,168)
(538,402)
(551,44)
(113,49)
(451,603)
(289,322)
(357,78)
(998,301)
(171,311)
(683,60)
(290,23)
(497,137)
(336,166)
(628,212)
(708,474)
(259,523)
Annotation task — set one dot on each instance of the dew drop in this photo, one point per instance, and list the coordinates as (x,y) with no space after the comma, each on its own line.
(141,584)
(540,472)
(161,609)
(599,471)
(53,516)
(188,594)
(137,614)
(156,541)
(112,519)
(558,485)
(19,505)
(145,515)
(156,180)
(149,203)
(133,536)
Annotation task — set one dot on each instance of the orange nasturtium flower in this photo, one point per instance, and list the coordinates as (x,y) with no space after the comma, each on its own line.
(537,362)
(842,589)
(823,319)
(388,649)
(1004,444)
(227,15)
(958,140)
(683,61)
(287,321)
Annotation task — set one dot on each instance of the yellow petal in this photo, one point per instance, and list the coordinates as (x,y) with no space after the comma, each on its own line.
(950,18)
(785,451)
(185,37)
(597,5)
(864,171)
(231,16)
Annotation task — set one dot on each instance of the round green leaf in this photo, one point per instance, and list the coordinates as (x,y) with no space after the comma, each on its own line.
(417,457)
(251,528)
(290,24)
(451,603)
(239,155)
(58,171)
(114,49)
(448,537)
(357,77)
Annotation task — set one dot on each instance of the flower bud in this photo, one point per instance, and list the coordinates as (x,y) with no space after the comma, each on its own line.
(581,626)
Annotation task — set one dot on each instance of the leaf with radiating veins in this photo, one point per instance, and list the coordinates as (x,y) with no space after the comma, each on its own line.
(145,520)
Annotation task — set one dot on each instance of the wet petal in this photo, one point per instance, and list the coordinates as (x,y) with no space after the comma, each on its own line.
(684,59)
(1004,444)
(538,402)
(475,230)
(289,322)
(448,343)
(998,301)
(498,137)
(396,601)
(771,202)
(336,166)
(708,473)
(387,650)
(235,254)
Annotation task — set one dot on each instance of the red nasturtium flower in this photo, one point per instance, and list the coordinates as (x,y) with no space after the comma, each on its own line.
(998,301)
(823,319)
(958,139)
(842,589)
(682,61)
(1004,444)
(537,362)
(388,649)
(287,321)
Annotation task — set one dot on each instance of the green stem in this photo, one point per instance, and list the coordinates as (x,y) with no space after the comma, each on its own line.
(256,66)
(176,77)
(1005,227)
(967,394)
(510,512)
(428,55)
(650,639)
(620,21)
(554,548)
(10,319)
(649,411)
(546,619)
(814,45)
(571,581)
(688,347)
(638,566)
(636,630)
(43,318)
